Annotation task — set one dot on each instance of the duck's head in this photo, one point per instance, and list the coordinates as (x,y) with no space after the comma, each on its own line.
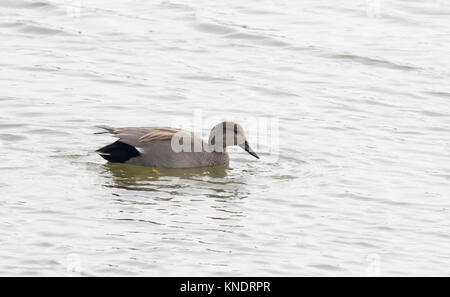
(227,134)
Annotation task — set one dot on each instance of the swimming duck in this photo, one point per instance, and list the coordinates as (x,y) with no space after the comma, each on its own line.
(165,147)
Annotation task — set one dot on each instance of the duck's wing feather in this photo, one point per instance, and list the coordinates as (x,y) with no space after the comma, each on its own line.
(136,136)
(159,134)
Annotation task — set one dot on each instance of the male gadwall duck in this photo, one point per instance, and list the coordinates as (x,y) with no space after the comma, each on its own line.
(165,147)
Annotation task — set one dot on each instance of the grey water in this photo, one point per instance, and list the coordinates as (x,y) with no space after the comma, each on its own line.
(359,181)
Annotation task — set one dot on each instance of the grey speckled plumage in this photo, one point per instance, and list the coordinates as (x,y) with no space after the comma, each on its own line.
(166,147)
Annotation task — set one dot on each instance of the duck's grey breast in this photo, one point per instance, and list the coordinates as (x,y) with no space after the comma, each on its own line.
(161,154)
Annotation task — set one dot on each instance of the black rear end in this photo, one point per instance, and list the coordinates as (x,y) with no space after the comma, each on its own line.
(118,152)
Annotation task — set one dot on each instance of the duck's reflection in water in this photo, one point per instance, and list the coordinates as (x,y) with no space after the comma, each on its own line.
(220,183)
(132,177)
(124,171)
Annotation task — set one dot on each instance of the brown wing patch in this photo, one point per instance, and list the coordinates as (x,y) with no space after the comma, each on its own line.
(159,134)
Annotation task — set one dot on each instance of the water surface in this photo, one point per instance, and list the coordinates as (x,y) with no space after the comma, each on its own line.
(359,184)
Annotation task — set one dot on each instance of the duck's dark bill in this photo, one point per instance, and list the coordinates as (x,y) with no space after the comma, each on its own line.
(248,149)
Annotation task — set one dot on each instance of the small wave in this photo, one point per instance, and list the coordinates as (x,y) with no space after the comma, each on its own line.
(445,95)
(430,113)
(260,12)
(327,267)
(372,61)
(12,137)
(176,6)
(213,28)
(40,29)
(13,125)
(25,4)
(259,39)
(206,78)
(274,92)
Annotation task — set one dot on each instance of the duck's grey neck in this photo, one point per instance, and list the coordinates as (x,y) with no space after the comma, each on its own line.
(212,148)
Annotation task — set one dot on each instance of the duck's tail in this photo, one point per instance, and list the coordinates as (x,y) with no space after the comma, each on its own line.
(118,152)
